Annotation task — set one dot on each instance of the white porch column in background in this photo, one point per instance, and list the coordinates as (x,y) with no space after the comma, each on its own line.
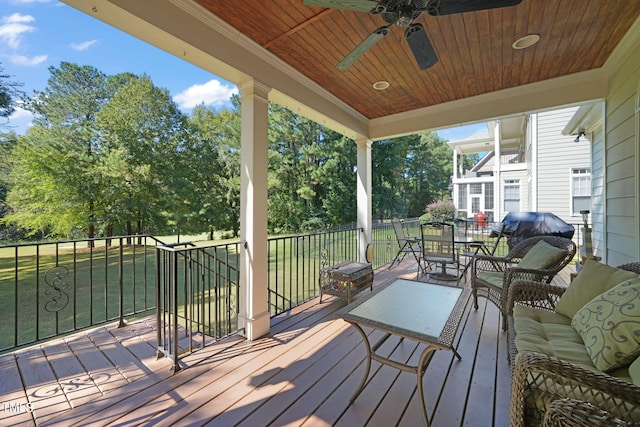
(364,195)
(254,307)
(454,179)
(533,188)
(498,211)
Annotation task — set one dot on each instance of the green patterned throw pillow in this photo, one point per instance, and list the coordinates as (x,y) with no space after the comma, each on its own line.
(594,279)
(609,325)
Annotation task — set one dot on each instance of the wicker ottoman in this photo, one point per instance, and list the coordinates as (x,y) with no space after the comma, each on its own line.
(345,279)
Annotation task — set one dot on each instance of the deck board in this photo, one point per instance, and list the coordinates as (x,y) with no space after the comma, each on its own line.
(303,373)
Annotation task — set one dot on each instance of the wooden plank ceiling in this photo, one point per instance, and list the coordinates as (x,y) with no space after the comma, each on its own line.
(474,48)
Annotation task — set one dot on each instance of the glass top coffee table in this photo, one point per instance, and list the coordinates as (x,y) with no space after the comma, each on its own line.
(422,312)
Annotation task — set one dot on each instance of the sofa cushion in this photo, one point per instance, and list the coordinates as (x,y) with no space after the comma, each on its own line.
(594,279)
(496,278)
(546,332)
(609,325)
(542,255)
(634,371)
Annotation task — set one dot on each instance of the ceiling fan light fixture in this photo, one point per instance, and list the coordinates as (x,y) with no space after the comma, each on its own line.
(381,85)
(526,41)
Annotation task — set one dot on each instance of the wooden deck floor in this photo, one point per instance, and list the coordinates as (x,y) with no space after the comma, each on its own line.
(303,374)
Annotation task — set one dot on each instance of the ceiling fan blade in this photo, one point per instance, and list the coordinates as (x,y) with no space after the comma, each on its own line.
(356,5)
(448,7)
(364,46)
(421,46)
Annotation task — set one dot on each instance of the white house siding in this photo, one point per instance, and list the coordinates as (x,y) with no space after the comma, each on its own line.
(597,190)
(557,155)
(622,163)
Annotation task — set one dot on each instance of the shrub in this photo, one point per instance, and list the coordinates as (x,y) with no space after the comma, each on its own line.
(441,210)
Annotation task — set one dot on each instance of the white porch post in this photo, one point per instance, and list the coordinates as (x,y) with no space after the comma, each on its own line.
(497,192)
(454,179)
(254,307)
(364,195)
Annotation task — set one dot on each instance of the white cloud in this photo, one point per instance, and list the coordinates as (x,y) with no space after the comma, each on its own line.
(17,122)
(20,114)
(25,60)
(13,28)
(84,45)
(210,93)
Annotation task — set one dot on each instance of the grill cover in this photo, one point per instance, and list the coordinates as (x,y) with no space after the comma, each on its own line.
(521,225)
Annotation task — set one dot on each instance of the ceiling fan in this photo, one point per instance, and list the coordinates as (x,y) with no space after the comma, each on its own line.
(403,13)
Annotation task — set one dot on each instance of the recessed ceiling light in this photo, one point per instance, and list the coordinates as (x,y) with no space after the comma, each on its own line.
(526,41)
(381,85)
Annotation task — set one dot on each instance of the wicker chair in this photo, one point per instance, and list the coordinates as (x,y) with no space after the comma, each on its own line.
(506,270)
(541,381)
(574,413)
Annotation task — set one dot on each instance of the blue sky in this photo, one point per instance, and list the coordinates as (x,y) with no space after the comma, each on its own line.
(38,34)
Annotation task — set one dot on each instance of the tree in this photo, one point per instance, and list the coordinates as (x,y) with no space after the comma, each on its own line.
(148,131)
(430,167)
(409,172)
(336,178)
(7,143)
(9,93)
(213,164)
(388,160)
(63,130)
(311,174)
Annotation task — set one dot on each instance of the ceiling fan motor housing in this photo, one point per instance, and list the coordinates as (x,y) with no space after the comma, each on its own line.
(401,12)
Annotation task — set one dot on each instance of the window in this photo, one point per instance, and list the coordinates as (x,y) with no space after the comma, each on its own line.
(488,195)
(580,190)
(476,188)
(462,196)
(475,204)
(511,195)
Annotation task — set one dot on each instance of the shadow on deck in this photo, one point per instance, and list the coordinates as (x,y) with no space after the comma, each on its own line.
(304,373)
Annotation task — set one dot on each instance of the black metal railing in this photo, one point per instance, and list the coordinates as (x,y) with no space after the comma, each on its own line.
(386,246)
(197,291)
(53,288)
(295,261)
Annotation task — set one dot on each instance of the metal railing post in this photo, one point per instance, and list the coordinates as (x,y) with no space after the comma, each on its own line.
(121,323)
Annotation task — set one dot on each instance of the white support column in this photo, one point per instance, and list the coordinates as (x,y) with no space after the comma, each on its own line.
(454,179)
(254,305)
(533,203)
(497,179)
(364,195)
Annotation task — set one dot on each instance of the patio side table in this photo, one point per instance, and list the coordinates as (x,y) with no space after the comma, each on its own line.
(423,312)
(346,279)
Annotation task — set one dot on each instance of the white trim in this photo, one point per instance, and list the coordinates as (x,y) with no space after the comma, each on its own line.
(637,172)
(533,124)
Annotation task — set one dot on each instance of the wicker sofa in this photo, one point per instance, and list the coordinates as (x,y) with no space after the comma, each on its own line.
(567,359)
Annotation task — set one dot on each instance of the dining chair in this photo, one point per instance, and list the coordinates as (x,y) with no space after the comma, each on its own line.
(405,244)
(439,247)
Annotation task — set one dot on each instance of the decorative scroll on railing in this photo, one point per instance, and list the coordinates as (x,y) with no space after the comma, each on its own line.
(59,298)
(53,288)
